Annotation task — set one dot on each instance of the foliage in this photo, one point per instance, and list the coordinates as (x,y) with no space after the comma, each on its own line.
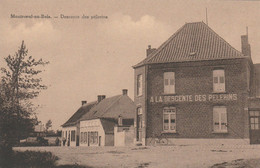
(48,124)
(21,81)
(35,159)
(19,84)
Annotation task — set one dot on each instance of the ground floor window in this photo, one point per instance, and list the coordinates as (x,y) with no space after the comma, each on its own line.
(89,137)
(169,119)
(73,136)
(93,137)
(254,120)
(83,137)
(220,119)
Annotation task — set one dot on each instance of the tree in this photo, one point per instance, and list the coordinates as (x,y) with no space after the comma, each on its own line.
(19,84)
(48,125)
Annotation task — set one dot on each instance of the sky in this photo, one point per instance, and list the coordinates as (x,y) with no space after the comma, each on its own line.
(90,57)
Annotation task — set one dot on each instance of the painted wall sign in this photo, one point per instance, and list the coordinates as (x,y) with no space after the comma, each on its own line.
(193,98)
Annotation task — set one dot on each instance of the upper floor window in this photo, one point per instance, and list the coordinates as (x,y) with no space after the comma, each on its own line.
(169,82)
(169,119)
(219,119)
(219,80)
(139,85)
(248,78)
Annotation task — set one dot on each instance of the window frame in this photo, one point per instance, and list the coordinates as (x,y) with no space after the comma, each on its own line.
(167,112)
(139,85)
(218,86)
(255,116)
(81,137)
(73,138)
(169,88)
(220,122)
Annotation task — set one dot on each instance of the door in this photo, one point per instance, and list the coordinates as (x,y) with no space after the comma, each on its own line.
(254,132)
(139,125)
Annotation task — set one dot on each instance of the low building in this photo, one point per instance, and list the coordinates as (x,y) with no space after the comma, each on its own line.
(196,87)
(97,126)
(70,129)
(94,123)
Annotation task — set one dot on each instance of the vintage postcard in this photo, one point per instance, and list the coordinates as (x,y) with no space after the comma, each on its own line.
(130,83)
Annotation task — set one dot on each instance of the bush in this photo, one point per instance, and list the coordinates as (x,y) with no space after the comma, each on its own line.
(34,159)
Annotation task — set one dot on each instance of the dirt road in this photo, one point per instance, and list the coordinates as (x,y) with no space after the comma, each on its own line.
(194,156)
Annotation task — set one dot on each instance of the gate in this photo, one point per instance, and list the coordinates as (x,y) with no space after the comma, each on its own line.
(254,126)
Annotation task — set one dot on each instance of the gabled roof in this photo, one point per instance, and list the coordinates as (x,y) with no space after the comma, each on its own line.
(111,108)
(192,42)
(78,114)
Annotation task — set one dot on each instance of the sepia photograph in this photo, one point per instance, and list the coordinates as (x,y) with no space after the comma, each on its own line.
(130,83)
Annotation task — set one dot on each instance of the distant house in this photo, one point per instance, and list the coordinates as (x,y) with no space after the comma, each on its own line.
(70,129)
(105,122)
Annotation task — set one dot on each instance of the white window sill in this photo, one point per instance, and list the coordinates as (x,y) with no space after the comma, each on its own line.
(139,95)
(169,132)
(169,94)
(218,92)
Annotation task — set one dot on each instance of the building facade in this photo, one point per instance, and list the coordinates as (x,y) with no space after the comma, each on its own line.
(94,123)
(195,86)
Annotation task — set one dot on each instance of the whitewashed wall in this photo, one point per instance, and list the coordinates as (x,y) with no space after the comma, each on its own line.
(92,126)
(69,129)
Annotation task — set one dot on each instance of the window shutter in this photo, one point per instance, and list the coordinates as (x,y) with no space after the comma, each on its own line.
(169,82)
(219,80)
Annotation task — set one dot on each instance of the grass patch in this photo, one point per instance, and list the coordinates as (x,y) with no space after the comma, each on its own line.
(35,159)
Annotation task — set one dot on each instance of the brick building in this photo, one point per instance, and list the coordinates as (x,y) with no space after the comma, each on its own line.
(196,88)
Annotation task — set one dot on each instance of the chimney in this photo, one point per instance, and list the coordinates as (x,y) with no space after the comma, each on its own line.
(245,46)
(124,91)
(103,97)
(83,102)
(120,120)
(100,97)
(149,50)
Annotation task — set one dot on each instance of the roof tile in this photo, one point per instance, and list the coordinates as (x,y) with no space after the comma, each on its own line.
(196,38)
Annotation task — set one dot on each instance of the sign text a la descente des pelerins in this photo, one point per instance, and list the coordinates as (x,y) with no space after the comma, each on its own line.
(193,98)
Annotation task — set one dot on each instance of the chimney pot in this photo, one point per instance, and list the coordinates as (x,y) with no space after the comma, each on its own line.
(124,91)
(101,97)
(83,102)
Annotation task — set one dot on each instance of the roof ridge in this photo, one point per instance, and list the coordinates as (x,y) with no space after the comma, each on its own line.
(111,105)
(184,37)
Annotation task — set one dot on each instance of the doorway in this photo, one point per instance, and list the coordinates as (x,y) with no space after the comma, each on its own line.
(139,124)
